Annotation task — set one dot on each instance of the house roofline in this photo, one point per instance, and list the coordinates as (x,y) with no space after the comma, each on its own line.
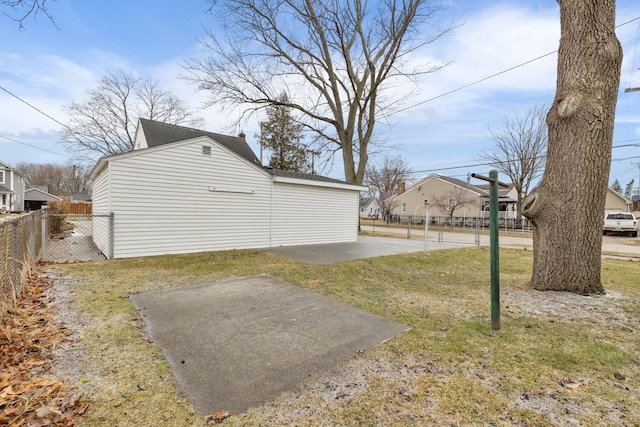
(102,162)
(313,183)
(622,196)
(44,193)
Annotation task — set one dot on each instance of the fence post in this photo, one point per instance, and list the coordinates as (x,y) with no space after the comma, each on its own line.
(43,233)
(426,224)
(111,233)
(15,253)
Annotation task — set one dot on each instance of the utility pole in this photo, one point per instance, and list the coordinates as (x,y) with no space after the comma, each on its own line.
(638,191)
(313,157)
(627,90)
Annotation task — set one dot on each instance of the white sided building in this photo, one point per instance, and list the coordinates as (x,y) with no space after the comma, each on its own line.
(184,190)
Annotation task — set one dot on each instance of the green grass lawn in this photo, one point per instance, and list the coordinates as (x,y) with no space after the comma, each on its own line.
(559,359)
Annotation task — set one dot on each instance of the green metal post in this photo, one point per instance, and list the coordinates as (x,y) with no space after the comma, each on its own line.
(494,248)
(493,244)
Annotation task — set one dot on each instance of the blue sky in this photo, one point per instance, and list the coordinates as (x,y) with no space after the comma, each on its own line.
(49,67)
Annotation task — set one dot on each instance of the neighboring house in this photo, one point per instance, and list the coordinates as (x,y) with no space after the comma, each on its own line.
(616,202)
(443,193)
(507,200)
(37,196)
(12,187)
(184,190)
(369,207)
(81,198)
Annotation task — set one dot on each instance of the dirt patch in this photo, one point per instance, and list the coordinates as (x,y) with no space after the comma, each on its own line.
(67,356)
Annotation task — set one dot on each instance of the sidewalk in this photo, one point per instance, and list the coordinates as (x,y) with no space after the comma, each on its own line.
(612,246)
(467,237)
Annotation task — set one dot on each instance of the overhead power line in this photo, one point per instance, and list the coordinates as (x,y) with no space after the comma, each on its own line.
(33,146)
(34,107)
(495,164)
(495,75)
(477,81)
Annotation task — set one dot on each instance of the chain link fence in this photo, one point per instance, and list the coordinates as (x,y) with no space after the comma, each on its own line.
(72,237)
(20,245)
(475,231)
(52,237)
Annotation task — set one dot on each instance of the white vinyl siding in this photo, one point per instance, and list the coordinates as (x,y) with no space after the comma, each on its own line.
(100,201)
(172,199)
(164,203)
(141,141)
(305,215)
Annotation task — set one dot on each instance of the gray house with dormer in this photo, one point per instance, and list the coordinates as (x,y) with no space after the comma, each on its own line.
(12,187)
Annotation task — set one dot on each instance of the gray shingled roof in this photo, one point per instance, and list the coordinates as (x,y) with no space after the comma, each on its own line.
(4,189)
(463,184)
(37,195)
(157,133)
(300,175)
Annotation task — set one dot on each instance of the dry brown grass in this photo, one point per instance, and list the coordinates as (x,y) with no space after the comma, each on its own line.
(559,359)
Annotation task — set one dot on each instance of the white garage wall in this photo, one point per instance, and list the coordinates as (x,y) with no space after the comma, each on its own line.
(175,199)
(100,205)
(304,214)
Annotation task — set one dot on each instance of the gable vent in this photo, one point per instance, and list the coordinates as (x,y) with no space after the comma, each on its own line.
(206,150)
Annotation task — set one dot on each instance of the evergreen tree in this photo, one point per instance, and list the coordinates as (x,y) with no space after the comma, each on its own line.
(282,135)
(616,186)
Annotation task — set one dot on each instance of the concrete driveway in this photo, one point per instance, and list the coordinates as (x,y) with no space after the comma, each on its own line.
(365,247)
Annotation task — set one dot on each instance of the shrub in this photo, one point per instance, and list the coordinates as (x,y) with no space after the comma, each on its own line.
(55,219)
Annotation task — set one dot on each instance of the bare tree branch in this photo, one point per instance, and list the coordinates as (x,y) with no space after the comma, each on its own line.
(60,180)
(383,179)
(106,122)
(520,146)
(450,201)
(335,59)
(26,8)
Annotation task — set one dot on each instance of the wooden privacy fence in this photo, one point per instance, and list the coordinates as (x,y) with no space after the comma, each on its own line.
(20,244)
(77,208)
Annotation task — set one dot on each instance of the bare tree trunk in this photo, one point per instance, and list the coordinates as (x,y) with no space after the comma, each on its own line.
(567,208)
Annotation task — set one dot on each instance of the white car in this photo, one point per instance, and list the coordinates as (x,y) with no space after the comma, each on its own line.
(620,222)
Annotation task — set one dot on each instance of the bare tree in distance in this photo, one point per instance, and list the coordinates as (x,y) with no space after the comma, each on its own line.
(281,134)
(25,8)
(338,61)
(383,178)
(450,201)
(519,151)
(60,180)
(105,123)
(628,189)
(567,207)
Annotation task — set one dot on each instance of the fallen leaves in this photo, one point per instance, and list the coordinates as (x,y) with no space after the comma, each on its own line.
(28,338)
(217,417)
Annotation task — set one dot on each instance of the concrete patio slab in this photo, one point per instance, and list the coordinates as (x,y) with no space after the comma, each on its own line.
(239,343)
